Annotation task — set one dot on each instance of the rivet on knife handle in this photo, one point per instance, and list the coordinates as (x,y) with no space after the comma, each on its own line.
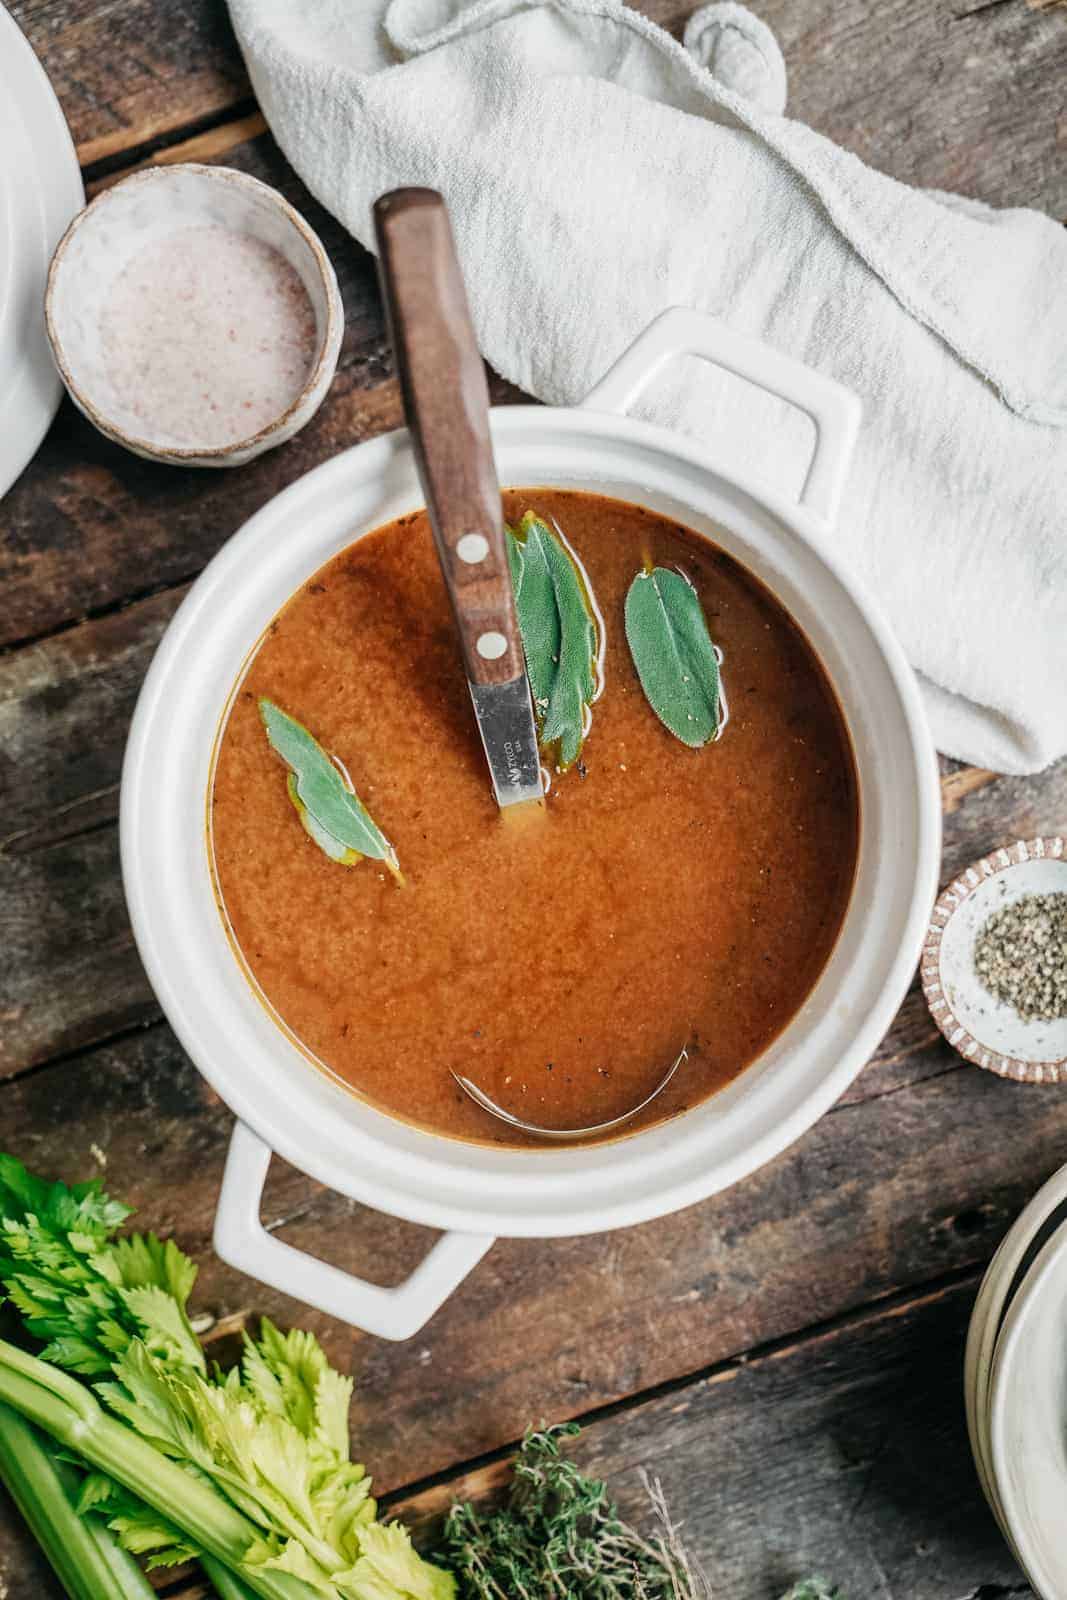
(446,401)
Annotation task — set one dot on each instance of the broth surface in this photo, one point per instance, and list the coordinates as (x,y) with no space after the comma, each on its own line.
(663,896)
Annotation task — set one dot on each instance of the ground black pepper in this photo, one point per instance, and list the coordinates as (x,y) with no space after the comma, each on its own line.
(1021,956)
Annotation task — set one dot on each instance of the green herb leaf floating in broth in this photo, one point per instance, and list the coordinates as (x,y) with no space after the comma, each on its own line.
(328,807)
(536,607)
(326,842)
(561,640)
(675,659)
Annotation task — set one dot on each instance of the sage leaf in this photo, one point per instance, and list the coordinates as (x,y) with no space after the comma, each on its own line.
(674,656)
(516,559)
(559,635)
(325,841)
(328,807)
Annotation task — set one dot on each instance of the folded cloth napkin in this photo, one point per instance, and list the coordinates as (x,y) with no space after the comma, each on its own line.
(598,171)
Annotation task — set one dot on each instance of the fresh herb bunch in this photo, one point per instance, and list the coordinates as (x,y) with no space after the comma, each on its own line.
(84,1293)
(559,1535)
(249,1470)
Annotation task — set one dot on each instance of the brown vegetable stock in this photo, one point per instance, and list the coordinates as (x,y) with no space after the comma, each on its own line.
(665,897)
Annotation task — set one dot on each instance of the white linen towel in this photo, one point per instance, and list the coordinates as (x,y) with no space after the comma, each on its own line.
(597,172)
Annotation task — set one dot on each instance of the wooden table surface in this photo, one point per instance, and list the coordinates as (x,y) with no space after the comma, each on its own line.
(786,1357)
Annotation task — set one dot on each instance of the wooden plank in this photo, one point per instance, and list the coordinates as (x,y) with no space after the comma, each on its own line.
(959,781)
(65,930)
(207,147)
(65,707)
(902,1189)
(130,73)
(23,1570)
(964,96)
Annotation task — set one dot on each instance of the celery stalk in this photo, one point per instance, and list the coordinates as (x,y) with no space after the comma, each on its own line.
(83,1553)
(225,1583)
(70,1413)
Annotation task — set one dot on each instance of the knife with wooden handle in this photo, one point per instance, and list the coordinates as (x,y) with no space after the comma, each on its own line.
(446,405)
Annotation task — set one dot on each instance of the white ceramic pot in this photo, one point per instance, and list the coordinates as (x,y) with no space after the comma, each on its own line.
(474,1193)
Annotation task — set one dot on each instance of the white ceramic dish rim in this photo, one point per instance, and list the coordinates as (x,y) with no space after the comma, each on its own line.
(420,1176)
(973,1406)
(954,894)
(981,1339)
(329,340)
(40,190)
(999,1288)
(1025,1305)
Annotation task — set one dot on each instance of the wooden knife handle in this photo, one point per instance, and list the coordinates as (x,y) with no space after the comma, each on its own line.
(446,403)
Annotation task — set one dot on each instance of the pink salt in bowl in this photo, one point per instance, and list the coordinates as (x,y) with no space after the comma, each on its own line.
(194,316)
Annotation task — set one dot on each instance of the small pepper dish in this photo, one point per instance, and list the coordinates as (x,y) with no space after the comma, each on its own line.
(983,1029)
(194,315)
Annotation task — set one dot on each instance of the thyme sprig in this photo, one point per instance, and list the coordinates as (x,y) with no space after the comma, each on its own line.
(560,1535)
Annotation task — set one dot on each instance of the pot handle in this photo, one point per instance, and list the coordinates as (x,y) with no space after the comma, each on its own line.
(242,1240)
(833,409)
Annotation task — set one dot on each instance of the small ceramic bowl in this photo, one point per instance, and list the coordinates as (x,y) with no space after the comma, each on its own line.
(149,283)
(981,1028)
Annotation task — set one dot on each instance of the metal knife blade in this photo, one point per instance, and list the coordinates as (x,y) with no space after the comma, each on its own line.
(509,735)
